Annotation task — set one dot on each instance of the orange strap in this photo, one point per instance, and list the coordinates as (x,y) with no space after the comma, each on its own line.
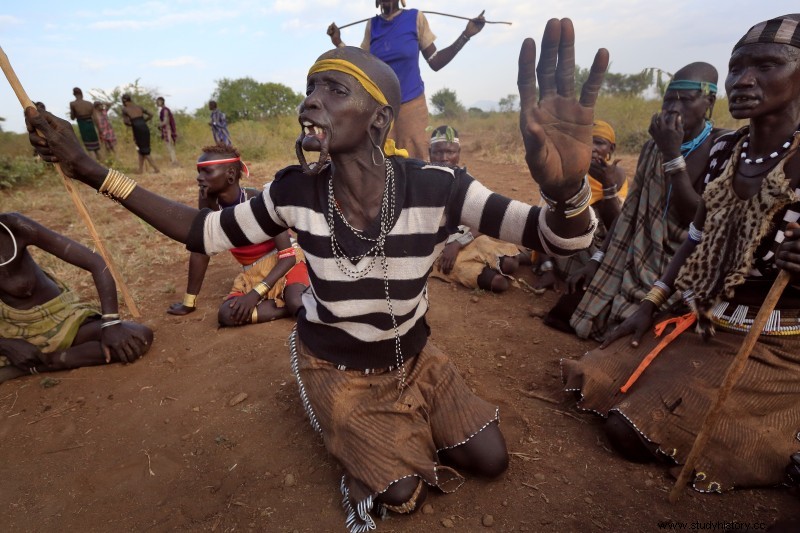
(682,323)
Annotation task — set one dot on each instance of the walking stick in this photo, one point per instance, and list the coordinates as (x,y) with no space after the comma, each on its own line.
(731,377)
(26,102)
(430,13)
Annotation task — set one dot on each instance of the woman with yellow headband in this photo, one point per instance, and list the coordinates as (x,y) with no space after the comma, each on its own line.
(391,408)
(398,36)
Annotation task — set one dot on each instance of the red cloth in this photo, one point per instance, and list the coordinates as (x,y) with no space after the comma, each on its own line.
(247,255)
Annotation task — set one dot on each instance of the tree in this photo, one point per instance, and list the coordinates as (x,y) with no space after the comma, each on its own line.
(446,103)
(246,98)
(143,96)
(1,126)
(508,104)
(626,84)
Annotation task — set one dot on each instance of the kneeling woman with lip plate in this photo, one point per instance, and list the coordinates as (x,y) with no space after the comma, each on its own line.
(390,407)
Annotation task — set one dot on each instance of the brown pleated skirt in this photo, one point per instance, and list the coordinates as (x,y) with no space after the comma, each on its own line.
(380,436)
(759,427)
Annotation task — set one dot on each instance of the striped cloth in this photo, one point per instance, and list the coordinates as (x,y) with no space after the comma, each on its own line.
(780,30)
(50,326)
(347,321)
(643,242)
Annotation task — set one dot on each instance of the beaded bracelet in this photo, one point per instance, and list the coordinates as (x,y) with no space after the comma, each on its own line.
(675,165)
(189,300)
(117,185)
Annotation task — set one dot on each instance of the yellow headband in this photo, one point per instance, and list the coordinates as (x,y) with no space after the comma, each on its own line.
(342,65)
(604,130)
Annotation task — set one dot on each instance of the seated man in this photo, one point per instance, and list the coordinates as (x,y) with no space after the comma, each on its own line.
(469,258)
(744,232)
(274,275)
(654,219)
(43,326)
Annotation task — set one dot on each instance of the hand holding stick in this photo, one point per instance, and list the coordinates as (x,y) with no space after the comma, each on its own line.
(731,377)
(26,102)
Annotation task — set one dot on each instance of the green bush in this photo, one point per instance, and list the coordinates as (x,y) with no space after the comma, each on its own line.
(21,171)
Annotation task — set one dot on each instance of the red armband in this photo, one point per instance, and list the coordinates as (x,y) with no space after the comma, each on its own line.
(288,252)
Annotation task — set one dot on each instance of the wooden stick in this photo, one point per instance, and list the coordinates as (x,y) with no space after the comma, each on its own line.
(464,18)
(26,102)
(431,13)
(731,377)
(353,23)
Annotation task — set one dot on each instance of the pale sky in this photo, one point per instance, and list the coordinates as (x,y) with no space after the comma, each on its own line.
(181,47)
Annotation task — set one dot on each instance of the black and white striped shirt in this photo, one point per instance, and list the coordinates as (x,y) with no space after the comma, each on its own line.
(347,321)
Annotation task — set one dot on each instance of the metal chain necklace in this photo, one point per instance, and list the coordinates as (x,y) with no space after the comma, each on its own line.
(375,251)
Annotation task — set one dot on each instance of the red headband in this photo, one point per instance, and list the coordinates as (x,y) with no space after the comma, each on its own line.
(223,161)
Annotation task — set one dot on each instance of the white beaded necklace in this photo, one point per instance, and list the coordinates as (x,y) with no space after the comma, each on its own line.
(376,250)
(14,241)
(760,160)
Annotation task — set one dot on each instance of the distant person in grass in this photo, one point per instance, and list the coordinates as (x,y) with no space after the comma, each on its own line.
(469,258)
(169,131)
(397,36)
(83,112)
(274,275)
(136,118)
(656,214)
(104,127)
(219,125)
(392,409)
(43,325)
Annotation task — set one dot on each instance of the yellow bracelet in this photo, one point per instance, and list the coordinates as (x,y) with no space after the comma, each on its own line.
(262,288)
(254,316)
(189,300)
(657,296)
(117,185)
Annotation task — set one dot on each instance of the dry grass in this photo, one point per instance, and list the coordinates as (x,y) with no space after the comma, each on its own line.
(141,252)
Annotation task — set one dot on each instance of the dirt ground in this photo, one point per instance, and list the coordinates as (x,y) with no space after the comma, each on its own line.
(162,445)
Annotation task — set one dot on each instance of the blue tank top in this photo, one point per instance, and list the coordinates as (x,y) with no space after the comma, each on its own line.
(396,43)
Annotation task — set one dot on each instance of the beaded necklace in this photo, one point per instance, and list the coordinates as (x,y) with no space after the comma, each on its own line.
(759,160)
(14,242)
(690,146)
(377,250)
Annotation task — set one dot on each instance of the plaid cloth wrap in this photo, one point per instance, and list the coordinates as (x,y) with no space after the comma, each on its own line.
(644,241)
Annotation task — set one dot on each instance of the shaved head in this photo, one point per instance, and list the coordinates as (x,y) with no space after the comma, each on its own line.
(698,71)
(378,71)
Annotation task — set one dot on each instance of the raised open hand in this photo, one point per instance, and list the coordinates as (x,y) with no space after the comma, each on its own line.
(556,127)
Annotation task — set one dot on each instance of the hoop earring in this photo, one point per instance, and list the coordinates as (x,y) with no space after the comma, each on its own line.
(380,151)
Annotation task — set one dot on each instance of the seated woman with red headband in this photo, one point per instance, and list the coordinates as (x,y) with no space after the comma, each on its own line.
(274,274)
